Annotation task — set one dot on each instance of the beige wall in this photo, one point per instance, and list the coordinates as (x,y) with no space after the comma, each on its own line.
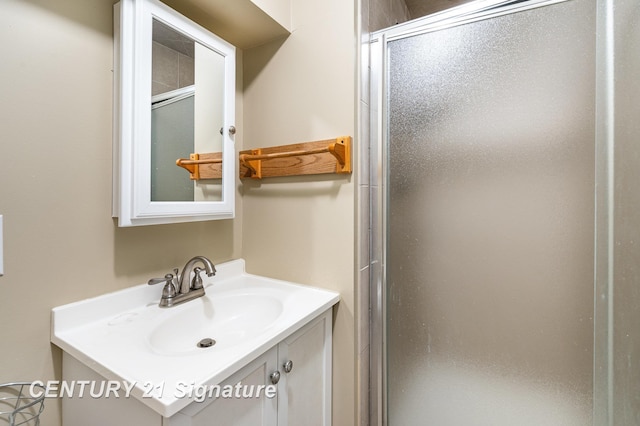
(301,89)
(61,244)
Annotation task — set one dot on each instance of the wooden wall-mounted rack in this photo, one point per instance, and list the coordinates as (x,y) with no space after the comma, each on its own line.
(308,158)
(202,166)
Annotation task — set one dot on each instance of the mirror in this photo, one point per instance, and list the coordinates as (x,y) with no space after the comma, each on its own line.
(175,89)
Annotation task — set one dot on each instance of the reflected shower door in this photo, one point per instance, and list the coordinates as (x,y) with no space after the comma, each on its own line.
(172,137)
(490,221)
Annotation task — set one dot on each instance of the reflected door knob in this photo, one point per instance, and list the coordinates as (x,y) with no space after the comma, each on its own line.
(275,377)
(288,366)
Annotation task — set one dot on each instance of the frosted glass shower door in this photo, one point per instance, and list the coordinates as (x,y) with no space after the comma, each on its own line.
(490,221)
(172,137)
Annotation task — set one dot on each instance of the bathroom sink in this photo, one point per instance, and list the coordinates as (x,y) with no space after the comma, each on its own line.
(225,320)
(126,336)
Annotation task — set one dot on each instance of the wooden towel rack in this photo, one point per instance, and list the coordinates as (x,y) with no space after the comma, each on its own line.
(202,166)
(308,158)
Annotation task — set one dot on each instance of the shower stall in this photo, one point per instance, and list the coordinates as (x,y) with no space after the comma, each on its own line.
(504,216)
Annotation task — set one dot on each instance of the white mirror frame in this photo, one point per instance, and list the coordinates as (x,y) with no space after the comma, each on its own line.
(132,118)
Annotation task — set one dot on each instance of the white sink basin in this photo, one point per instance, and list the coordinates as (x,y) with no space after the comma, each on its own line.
(125,336)
(228,318)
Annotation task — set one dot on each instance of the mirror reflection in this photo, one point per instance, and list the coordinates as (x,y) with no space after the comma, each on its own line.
(186,113)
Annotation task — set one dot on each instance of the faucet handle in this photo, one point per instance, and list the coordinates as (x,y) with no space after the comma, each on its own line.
(167,279)
(176,278)
(168,291)
(196,282)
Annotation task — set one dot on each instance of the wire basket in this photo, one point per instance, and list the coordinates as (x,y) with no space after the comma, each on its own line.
(18,406)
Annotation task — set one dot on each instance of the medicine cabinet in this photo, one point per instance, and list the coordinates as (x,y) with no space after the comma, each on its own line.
(174,85)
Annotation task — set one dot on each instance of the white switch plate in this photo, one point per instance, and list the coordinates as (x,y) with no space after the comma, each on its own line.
(1,254)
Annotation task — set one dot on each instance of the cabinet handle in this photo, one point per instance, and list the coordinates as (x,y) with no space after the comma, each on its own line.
(288,366)
(275,377)
(232,130)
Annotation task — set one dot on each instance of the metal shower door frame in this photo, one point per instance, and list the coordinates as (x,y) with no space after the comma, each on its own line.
(379,134)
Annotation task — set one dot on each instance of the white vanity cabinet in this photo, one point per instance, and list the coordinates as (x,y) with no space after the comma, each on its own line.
(236,411)
(305,392)
(302,395)
(175,366)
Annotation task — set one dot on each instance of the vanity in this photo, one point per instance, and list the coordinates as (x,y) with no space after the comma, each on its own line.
(252,351)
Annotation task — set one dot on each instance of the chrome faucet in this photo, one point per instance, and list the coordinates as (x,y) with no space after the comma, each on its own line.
(180,287)
(184,285)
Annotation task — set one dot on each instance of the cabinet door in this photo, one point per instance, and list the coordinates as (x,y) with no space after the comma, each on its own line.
(305,392)
(234,410)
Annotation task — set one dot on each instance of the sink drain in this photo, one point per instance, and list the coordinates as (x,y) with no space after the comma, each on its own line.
(206,343)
